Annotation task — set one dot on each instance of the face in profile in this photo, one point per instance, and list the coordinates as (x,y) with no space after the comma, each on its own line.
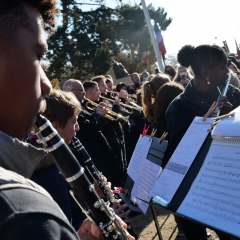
(23,82)
(102,87)
(95,93)
(78,91)
(219,73)
(70,129)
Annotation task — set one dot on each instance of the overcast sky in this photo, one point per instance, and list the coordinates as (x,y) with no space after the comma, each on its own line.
(196,21)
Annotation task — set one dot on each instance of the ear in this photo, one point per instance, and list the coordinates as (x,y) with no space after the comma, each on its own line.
(55,125)
(205,72)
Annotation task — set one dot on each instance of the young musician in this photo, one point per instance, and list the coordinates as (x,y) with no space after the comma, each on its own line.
(27,210)
(209,65)
(109,83)
(112,131)
(149,92)
(62,111)
(165,95)
(91,125)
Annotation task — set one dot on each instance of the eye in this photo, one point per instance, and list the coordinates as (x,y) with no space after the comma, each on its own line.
(39,57)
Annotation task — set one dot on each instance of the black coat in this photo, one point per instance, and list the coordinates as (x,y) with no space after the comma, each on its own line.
(186,107)
(91,136)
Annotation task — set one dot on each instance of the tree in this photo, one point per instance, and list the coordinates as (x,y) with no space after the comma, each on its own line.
(171,59)
(86,42)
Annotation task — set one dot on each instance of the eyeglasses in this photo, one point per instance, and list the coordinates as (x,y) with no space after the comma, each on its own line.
(82,91)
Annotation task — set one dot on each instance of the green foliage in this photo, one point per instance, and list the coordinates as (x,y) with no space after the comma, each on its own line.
(86,42)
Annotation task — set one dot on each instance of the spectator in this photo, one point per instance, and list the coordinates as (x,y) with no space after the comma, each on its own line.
(183,76)
(170,70)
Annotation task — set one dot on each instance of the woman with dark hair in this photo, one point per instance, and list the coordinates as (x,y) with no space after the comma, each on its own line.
(209,65)
(170,70)
(149,92)
(121,86)
(165,95)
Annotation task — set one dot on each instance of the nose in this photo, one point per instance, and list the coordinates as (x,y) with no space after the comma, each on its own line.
(76,127)
(46,86)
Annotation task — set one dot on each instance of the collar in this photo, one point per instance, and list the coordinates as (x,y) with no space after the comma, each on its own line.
(18,156)
(191,95)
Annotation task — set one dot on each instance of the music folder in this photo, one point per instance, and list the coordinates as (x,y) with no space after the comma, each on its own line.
(155,155)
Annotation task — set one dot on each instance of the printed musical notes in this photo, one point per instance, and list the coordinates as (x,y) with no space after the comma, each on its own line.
(140,153)
(148,174)
(214,197)
(181,160)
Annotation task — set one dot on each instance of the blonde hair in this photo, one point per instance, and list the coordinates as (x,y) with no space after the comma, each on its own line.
(149,92)
(61,106)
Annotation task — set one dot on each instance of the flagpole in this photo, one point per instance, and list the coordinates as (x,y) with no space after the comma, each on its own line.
(153,39)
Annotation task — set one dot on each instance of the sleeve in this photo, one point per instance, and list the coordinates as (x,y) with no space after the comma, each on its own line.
(116,109)
(177,125)
(38,227)
(91,126)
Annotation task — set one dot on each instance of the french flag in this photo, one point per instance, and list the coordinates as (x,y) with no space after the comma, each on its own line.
(160,42)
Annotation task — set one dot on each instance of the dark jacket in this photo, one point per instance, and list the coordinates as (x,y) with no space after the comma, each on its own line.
(186,107)
(90,135)
(48,176)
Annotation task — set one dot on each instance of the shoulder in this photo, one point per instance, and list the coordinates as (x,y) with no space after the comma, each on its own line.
(179,103)
(25,205)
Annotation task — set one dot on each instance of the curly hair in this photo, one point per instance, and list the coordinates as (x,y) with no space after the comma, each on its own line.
(203,56)
(13,15)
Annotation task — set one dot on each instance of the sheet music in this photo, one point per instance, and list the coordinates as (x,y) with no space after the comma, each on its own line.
(140,153)
(181,160)
(214,197)
(148,174)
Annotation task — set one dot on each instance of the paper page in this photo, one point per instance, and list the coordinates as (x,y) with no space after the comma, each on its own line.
(214,197)
(181,160)
(140,153)
(148,174)
(228,126)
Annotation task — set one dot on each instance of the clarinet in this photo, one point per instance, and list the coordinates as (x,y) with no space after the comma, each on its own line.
(84,159)
(84,193)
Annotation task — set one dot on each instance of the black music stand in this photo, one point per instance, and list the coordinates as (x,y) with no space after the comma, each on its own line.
(185,187)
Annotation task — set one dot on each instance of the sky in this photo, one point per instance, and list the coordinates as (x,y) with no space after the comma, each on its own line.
(196,22)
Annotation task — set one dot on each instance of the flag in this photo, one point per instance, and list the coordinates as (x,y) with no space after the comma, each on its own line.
(238,51)
(160,42)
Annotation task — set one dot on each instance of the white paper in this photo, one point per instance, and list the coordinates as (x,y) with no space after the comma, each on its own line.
(148,174)
(214,197)
(140,153)
(181,160)
(228,126)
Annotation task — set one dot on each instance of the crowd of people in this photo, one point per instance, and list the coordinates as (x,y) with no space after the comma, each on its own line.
(35,202)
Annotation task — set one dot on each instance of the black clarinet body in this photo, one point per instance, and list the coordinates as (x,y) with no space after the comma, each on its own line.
(84,158)
(82,190)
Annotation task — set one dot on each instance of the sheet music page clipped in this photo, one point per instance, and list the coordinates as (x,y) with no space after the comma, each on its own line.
(214,197)
(140,153)
(147,177)
(181,160)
